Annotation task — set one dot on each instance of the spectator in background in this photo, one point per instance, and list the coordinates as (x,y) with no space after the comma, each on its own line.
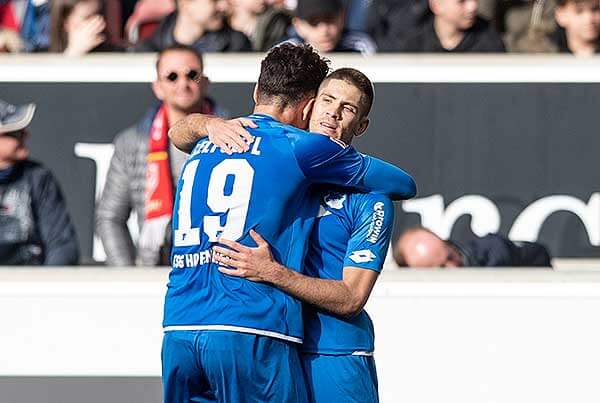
(579,26)
(10,42)
(200,24)
(78,27)
(145,166)
(263,24)
(453,27)
(390,22)
(35,227)
(145,19)
(320,23)
(526,24)
(419,247)
(30,19)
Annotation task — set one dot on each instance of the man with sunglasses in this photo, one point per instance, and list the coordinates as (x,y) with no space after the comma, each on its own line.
(145,166)
(35,227)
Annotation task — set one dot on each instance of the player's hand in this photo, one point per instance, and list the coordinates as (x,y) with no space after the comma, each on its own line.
(255,264)
(230,135)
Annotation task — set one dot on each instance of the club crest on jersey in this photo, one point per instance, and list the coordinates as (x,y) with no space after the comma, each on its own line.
(335,200)
(362,256)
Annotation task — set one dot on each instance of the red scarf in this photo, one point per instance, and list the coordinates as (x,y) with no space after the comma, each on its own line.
(159,186)
(8,18)
(159,182)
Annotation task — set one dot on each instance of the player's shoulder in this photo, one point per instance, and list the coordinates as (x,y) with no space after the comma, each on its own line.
(365,206)
(370,199)
(271,125)
(313,145)
(343,198)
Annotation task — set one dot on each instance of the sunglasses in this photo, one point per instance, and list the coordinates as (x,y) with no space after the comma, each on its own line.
(192,75)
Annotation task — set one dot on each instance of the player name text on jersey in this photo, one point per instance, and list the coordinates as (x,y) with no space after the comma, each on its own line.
(207,147)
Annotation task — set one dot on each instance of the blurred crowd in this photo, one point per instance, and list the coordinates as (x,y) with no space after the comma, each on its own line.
(77,27)
(36,228)
(145,165)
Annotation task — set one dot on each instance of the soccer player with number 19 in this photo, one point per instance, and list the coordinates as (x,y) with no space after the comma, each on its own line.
(346,252)
(228,339)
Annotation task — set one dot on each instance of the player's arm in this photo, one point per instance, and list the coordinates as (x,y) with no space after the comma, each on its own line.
(228,135)
(372,222)
(324,160)
(344,297)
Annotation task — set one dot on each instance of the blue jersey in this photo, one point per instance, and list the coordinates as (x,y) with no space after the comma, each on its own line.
(265,189)
(353,229)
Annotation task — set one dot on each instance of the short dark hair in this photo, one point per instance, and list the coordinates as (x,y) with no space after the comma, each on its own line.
(290,73)
(311,10)
(360,81)
(179,48)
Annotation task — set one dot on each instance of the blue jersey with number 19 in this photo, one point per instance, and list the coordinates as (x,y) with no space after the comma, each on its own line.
(265,189)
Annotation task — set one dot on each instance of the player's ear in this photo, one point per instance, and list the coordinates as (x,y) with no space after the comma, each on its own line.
(362,127)
(157,90)
(255,93)
(307,110)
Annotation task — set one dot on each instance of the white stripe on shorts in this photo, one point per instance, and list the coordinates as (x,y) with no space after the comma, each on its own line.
(235,329)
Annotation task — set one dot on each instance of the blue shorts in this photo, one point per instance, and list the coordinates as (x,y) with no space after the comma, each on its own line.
(340,378)
(225,366)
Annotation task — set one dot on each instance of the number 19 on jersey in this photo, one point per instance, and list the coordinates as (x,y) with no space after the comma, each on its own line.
(234,205)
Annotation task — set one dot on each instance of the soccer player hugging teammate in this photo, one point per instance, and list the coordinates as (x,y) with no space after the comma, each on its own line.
(229,339)
(346,252)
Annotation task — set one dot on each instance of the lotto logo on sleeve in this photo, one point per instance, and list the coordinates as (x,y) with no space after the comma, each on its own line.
(362,256)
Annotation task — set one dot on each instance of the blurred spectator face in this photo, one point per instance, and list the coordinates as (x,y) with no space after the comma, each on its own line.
(459,13)
(276,3)
(249,6)
(13,148)
(337,111)
(82,13)
(581,19)
(180,83)
(421,248)
(210,14)
(322,33)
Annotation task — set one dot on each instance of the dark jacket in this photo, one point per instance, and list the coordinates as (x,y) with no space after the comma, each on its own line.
(480,38)
(390,22)
(494,250)
(271,28)
(224,40)
(35,227)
